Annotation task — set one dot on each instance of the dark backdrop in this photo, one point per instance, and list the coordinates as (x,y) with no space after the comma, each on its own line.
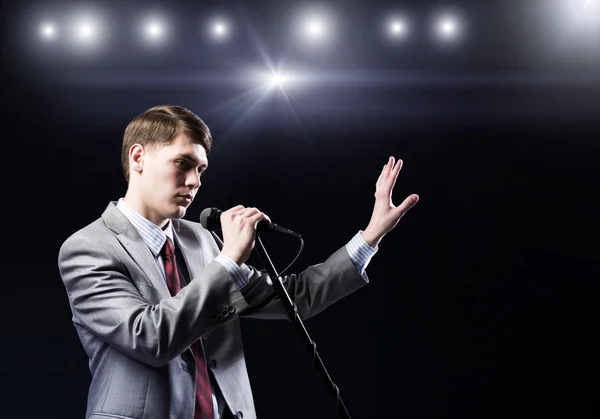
(482,302)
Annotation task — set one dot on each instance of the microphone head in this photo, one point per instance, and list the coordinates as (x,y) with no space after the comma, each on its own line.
(210,218)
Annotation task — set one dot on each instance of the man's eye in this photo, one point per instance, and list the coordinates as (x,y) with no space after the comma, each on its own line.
(180,163)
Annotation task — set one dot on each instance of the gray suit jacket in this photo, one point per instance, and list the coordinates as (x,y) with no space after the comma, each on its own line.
(137,336)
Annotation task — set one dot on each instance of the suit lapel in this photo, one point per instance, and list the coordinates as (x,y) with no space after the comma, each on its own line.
(142,256)
(135,246)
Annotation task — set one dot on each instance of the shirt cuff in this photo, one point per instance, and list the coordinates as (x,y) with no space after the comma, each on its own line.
(360,253)
(240,273)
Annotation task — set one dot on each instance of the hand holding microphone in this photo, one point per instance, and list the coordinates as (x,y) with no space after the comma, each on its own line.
(239,226)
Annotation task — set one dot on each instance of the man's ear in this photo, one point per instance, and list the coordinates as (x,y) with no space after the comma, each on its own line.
(136,157)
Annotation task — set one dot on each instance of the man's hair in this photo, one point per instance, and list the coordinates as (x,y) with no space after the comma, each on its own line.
(158,127)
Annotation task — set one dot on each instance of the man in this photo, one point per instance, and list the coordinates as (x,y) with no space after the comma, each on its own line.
(156,301)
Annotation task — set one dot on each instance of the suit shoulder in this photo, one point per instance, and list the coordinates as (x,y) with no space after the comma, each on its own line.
(193,225)
(84,235)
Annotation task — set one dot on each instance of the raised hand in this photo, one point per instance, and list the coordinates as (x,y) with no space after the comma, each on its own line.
(385,214)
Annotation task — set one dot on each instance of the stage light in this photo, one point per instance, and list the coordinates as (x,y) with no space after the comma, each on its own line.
(396,27)
(276,80)
(314,27)
(154,29)
(86,31)
(448,27)
(48,31)
(272,78)
(220,29)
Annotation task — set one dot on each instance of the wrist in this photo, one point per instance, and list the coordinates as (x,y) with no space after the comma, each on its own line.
(232,256)
(371,238)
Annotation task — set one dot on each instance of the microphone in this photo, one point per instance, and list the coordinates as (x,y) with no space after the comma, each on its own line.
(210,219)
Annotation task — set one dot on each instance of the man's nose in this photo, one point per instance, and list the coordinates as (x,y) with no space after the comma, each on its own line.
(193,179)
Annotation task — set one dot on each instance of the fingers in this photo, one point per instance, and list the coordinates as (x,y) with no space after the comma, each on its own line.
(241,214)
(394,173)
(384,172)
(407,204)
(234,210)
(259,216)
(389,175)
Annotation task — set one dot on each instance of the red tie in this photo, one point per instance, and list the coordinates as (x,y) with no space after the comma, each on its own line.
(204,405)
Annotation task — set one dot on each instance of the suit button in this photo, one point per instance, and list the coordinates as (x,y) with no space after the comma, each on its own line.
(213,363)
(240,415)
(224,312)
(231,309)
(213,321)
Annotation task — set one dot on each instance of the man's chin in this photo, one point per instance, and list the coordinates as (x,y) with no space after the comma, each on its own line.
(177,212)
(180,213)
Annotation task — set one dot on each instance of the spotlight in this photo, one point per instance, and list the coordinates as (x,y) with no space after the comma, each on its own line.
(396,27)
(315,27)
(448,28)
(48,30)
(220,30)
(154,30)
(272,79)
(276,80)
(86,31)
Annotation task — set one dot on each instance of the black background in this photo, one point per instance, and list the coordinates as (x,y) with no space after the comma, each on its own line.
(483,300)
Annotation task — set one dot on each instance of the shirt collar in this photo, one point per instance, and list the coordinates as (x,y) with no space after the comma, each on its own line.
(153,235)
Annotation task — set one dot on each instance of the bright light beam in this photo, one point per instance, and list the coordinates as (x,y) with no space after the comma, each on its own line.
(155,31)
(48,31)
(85,31)
(220,30)
(315,26)
(448,28)
(396,28)
(276,80)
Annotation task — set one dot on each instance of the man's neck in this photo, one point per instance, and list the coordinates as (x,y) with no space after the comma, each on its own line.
(141,209)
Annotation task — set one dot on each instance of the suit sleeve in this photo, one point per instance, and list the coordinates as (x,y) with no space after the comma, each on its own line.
(106,301)
(312,291)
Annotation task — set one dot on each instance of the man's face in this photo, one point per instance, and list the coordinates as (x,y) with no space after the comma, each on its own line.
(170,178)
